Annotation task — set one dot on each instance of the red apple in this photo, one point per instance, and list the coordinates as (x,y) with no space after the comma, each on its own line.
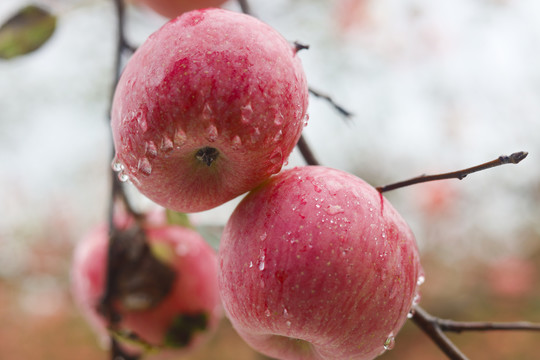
(188,314)
(316,264)
(173,8)
(208,107)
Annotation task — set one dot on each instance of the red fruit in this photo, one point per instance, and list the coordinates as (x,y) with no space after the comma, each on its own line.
(184,318)
(173,8)
(315,264)
(209,107)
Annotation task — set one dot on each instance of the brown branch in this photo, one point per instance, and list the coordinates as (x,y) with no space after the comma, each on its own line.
(344,112)
(306,152)
(514,158)
(430,326)
(461,326)
(244,5)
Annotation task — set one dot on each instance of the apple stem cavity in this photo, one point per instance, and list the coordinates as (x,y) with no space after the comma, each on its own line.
(514,158)
(207,155)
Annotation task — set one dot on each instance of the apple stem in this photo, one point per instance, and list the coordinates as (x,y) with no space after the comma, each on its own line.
(306,152)
(244,6)
(340,109)
(514,158)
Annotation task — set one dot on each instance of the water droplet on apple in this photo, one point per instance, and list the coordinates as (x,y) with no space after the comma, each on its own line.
(179,138)
(211,133)
(278,119)
(285,312)
(166,144)
(117,165)
(276,158)
(255,135)
(207,113)
(278,136)
(246,113)
(151,149)
(263,236)
(141,120)
(390,342)
(267,313)
(306,119)
(236,142)
(250,264)
(144,166)
(288,323)
(334,210)
(123,177)
(410,314)
(262,256)
(421,280)
(416,299)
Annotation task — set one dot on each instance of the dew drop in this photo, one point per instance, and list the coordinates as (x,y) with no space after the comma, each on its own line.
(117,165)
(263,236)
(255,135)
(416,299)
(277,156)
(278,136)
(211,133)
(262,256)
(306,119)
(207,112)
(151,149)
(421,280)
(288,323)
(236,142)
(141,120)
(285,312)
(410,314)
(144,166)
(278,119)
(166,144)
(123,177)
(334,210)
(179,138)
(267,313)
(390,342)
(250,264)
(246,113)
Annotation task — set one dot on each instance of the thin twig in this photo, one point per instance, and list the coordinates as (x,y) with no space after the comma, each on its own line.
(344,112)
(461,326)
(429,325)
(306,152)
(244,5)
(460,174)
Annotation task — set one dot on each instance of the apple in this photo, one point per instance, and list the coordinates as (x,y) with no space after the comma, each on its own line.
(184,318)
(172,8)
(209,107)
(316,264)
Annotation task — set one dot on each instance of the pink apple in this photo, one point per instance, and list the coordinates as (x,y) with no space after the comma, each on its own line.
(316,264)
(173,8)
(208,107)
(187,316)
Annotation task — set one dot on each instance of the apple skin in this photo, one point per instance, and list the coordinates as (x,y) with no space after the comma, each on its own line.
(194,293)
(173,8)
(316,264)
(209,79)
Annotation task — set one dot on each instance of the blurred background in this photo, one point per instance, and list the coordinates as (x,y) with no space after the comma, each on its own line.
(434,86)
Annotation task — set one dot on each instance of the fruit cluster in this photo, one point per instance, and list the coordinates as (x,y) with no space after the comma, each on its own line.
(313,263)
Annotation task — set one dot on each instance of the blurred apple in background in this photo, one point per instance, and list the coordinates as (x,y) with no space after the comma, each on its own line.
(173,8)
(187,315)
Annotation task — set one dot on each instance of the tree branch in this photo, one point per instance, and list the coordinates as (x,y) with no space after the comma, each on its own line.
(344,112)
(306,152)
(514,158)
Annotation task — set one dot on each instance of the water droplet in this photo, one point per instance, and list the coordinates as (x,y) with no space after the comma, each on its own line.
(306,119)
(123,177)
(267,313)
(179,138)
(278,119)
(246,113)
(390,342)
(250,264)
(211,133)
(151,149)
(166,144)
(285,312)
(144,166)
(117,165)
(207,113)
(416,299)
(236,142)
(410,314)
(263,236)
(262,256)
(277,157)
(278,136)
(141,120)
(334,209)
(288,323)
(255,135)
(421,280)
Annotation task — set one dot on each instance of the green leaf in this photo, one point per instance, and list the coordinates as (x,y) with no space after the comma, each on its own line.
(26,31)
(178,218)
